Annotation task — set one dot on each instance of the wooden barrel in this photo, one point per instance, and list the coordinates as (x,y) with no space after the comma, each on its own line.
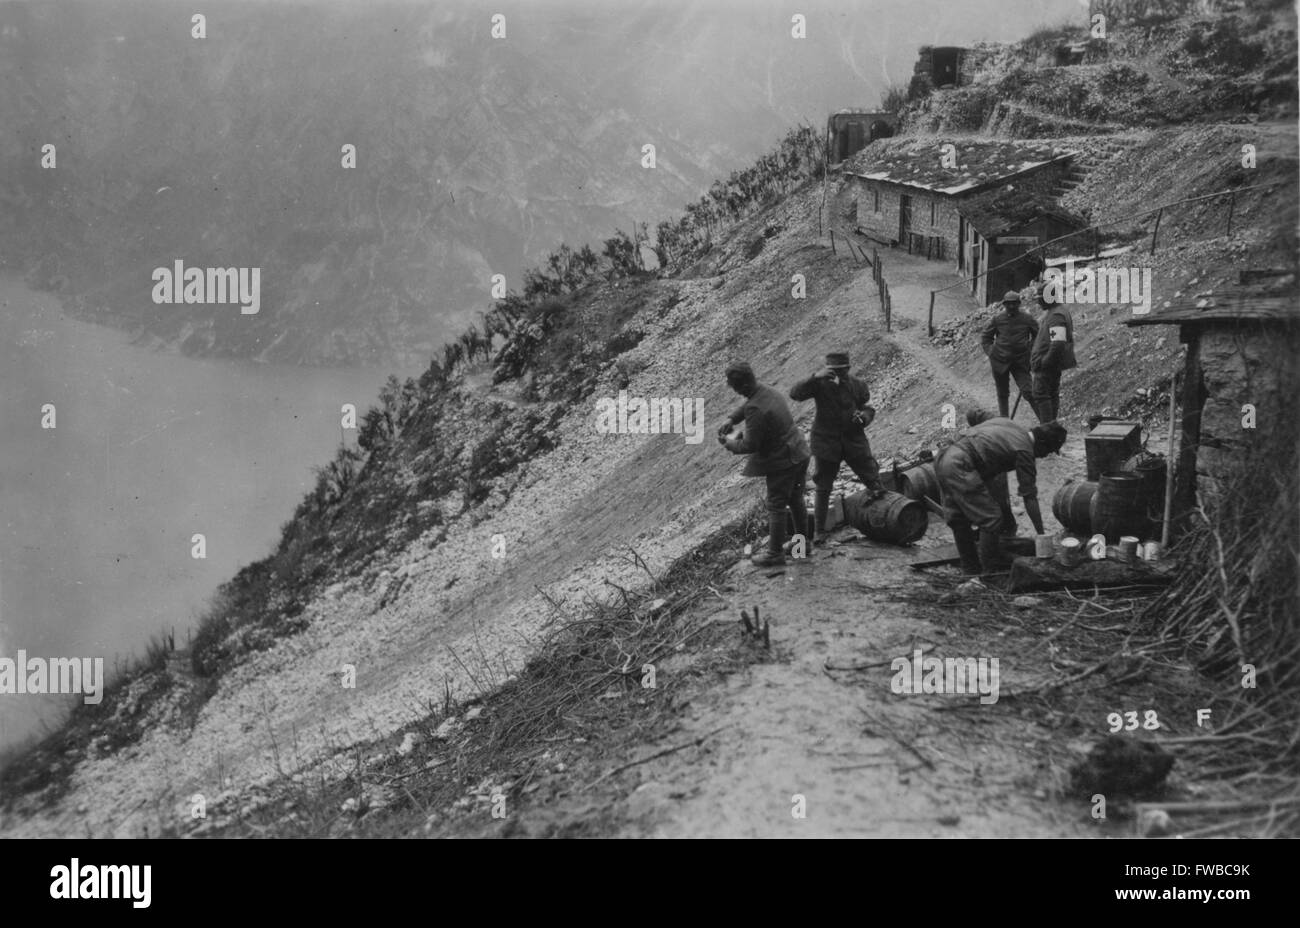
(893,518)
(1118,507)
(920,481)
(1072,505)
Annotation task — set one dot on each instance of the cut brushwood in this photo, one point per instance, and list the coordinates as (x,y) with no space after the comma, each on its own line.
(755,629)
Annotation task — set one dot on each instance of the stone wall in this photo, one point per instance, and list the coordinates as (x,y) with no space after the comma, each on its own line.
(878,205)
(1246,363)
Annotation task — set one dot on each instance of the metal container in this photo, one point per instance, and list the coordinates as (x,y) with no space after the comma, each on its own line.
(1071,554)
(1153,471)
(1109,446)
(1118,508)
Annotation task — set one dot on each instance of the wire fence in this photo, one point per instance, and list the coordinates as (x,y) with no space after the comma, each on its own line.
(877,273)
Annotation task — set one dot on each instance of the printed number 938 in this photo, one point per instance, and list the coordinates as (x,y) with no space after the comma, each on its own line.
(1128,721)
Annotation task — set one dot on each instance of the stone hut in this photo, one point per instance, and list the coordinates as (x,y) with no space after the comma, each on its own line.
(1241,377)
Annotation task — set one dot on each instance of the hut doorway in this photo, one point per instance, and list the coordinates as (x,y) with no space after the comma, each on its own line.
(943,66)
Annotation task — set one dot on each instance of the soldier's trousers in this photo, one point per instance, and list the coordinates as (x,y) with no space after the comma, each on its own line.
(862,463)
(968,499)
(1024,380)
(1047,394)
(785,493)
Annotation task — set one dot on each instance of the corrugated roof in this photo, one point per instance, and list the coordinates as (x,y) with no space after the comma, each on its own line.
(1007,209)
(980,165)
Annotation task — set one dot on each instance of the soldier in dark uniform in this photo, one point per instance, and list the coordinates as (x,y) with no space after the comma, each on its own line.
(1000,485)
(838,432)
(967,471)
(1053,352)
(1007,341)
(777,452)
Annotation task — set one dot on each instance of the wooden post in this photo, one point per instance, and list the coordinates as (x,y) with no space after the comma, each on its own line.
(1169,468)
(1232,207)
(1190,439)
(826,158)
(889,313)
(929,323)
(833,251)
(1155,232)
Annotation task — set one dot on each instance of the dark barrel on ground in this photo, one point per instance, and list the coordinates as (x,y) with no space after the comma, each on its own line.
(1118,507)
(920,481)
(1072,505)
(1152,471)
(893,518)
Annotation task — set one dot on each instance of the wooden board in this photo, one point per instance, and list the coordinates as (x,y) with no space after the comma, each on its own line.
(936,557)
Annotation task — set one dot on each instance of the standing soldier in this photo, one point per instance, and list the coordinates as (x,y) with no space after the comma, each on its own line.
(838,432)
(1053,352)
(968,470)
(1007,341)
(777,451)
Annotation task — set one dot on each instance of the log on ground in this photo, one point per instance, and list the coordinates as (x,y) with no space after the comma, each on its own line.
(1030,574)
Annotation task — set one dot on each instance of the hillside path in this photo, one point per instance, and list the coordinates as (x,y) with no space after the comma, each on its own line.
(860,759)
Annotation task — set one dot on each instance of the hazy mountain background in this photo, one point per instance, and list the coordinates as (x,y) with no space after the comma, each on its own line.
(475,155)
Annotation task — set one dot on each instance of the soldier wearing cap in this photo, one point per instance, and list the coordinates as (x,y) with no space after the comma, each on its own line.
(1007,341)
(777,452)
(838,432)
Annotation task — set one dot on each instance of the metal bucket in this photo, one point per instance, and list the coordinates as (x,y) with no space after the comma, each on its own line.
(1072,505)
(893,518)
(1153,473)
(1118,507)
(1071,553)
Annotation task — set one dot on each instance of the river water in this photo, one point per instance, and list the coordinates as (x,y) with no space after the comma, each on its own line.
(149,448)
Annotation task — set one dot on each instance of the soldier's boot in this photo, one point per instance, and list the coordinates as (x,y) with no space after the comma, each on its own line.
(773,556)
(799,513)
(964,536)
(993,555)
(821,510)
